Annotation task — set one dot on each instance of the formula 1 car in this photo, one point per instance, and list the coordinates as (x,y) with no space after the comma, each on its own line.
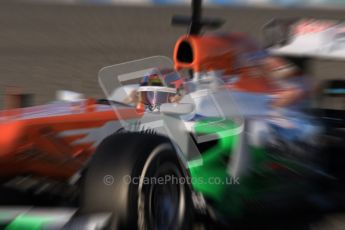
(170,144)
(182,161)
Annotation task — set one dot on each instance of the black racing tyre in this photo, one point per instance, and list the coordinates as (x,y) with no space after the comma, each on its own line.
(140,180)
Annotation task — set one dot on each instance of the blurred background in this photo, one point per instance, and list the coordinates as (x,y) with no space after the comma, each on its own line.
(49,45)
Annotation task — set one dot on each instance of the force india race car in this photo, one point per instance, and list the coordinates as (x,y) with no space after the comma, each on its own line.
(170,145)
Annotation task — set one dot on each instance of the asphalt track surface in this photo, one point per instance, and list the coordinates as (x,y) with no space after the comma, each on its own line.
(44,48)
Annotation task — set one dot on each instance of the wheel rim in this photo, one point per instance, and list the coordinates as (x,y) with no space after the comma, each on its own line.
(166,200)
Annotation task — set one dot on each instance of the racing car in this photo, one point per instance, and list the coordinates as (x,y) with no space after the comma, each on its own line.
(192,160)
(169,146)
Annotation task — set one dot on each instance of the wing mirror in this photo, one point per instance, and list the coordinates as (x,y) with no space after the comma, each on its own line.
(176,108)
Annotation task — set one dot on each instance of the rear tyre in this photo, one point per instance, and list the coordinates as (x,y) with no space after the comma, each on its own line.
(140,180)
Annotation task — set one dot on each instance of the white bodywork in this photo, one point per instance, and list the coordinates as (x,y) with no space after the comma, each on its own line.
(315,38)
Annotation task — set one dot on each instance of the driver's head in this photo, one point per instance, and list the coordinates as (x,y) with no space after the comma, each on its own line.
(158,87)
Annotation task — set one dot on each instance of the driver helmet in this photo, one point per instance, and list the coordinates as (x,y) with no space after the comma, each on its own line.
(158,87)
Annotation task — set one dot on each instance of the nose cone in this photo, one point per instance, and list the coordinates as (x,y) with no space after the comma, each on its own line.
(9,136)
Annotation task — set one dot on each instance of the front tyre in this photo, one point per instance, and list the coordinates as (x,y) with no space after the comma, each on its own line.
(147,188)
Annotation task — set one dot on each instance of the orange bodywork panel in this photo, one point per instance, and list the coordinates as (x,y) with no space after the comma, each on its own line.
(212,52)
(35,146)
(252,82)
(215,52)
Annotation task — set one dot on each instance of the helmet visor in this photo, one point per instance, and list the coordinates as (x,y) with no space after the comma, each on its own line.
(155,95)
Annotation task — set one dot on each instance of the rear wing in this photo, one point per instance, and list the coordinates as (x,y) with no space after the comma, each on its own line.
(305,38)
